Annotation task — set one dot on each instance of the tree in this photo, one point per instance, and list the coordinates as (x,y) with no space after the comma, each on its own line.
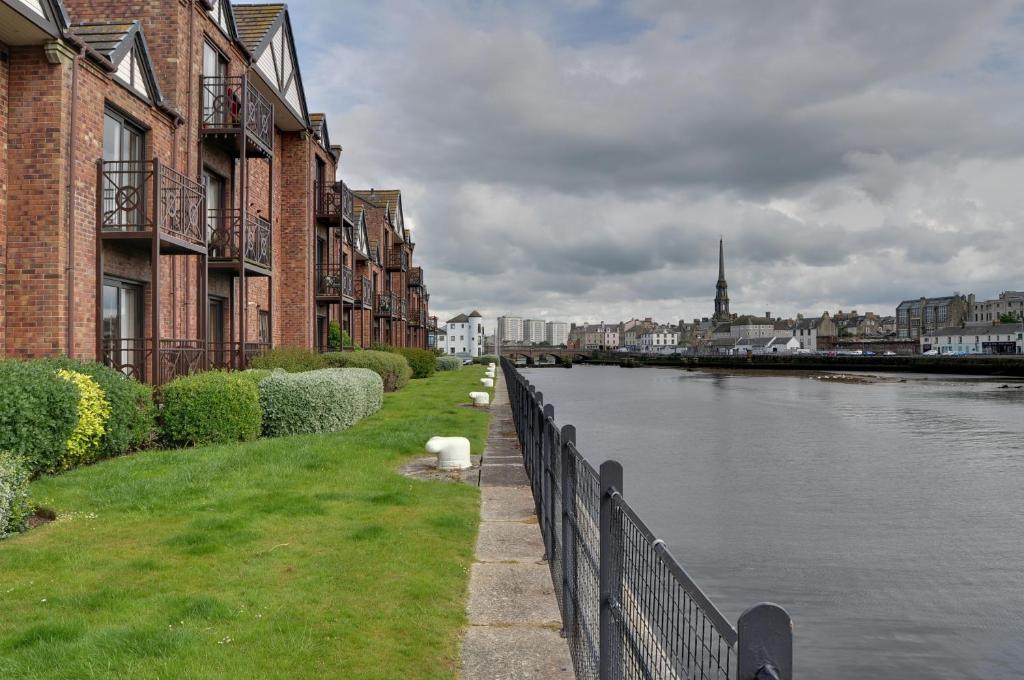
(1009,317)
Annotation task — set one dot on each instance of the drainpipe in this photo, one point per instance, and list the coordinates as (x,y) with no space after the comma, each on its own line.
(69,205)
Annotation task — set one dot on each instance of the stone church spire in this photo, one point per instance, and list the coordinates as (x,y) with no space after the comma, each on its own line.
(721,288)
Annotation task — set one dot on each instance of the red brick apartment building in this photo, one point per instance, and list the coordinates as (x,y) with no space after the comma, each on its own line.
(167,202)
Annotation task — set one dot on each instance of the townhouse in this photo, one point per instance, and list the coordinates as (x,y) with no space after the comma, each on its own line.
(167,202)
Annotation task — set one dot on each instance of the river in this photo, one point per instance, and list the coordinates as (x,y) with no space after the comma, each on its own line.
(888,518)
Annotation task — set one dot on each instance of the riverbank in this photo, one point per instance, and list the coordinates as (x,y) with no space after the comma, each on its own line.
(1002,366)
(295,557)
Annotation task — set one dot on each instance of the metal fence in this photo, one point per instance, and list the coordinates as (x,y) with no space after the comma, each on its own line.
(629,610)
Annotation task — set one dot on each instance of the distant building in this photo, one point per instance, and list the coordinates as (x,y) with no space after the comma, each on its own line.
(745,327)
(659,340)
(1010,302)
(633,330)
(556,333)
(600,336)
(807,331)
(853,325)
(463,335)
(773,345)
(995,339)
(510,329)
(915,318)
(721,287)
(533,331)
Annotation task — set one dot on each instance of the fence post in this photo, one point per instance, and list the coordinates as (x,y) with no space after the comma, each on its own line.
(568,533)
(548,480)
(609,650)
(764,650)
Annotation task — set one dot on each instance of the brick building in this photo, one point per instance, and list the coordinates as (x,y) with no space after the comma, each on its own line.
(167,202)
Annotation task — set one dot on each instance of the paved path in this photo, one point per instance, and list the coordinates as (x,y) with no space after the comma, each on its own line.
(514,623)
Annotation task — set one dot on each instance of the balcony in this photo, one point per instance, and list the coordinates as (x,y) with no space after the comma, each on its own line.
(134,358)
(333,203)
(232,106)
(228,241)
(398,259)
(387,306)
(142,199)
(232,355)
(418,317)
(416,277)
(334,281)
(403,308)
(364,293)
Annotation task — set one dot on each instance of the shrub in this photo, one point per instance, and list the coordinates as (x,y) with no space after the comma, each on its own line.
(486,359)
(15,507)
(86,441)
(448,363)
(291,359)
(210,408)
(329,400)
(132,414)
(334,335)
(38,413)
(256,375)
(392,368)
(420,360)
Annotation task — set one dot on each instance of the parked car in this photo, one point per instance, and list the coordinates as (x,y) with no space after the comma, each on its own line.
(889,354)
(931,353)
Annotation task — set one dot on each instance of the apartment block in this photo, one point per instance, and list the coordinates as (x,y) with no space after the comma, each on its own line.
(190,202)
(556,333)
(510,329)
(533,331)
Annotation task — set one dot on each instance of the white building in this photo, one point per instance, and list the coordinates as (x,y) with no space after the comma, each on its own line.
(533,331)
(786,344)
(556,333)
(463,336)
(1005,338)
(659,340)
(510,329)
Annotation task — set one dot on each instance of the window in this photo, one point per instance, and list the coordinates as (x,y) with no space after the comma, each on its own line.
(124,346)
(264,320)
(124,187)
(213,188)
(215,91)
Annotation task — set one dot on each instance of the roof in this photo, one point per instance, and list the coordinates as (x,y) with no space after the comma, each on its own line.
(928,300)
(461,318)
(476,314)
(723,342)
(123,42)
(254,21)
(106,37)
(318,121)
(749,320)
(391,200)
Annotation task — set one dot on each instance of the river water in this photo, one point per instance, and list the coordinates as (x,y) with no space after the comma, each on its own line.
(887,518)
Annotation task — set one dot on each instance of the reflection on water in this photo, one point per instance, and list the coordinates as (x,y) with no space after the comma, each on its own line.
(885,517)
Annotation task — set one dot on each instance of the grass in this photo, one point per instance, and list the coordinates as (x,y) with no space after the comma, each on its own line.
(299,557)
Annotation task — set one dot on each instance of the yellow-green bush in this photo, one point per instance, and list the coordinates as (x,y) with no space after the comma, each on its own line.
(86,441)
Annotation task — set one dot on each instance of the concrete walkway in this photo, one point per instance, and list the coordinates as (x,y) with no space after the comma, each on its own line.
(514,622)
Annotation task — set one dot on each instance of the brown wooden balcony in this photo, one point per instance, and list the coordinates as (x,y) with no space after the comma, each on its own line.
(334,281)
(398,259)
(134,358)
(233,355)
(140,200)
(416,277)
(231,106)
(228,241)
(364,293)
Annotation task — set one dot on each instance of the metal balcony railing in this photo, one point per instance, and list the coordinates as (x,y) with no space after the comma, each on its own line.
(398,259)
(134,357)
(225,227)
(334,280)
(232,105)
(364,292)
(416,277)
(143,196)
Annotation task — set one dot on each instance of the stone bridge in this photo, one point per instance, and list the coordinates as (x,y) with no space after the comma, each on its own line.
(534,354)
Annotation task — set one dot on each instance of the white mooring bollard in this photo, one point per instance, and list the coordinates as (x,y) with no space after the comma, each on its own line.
(452,452)
(480,398)
(487,382)
(489,374)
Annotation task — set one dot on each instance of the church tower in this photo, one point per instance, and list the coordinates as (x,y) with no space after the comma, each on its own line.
(721,288)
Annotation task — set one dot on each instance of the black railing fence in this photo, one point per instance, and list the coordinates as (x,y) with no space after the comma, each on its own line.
(629,610)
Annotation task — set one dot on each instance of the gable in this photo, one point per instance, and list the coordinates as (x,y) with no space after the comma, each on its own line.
(221,15)
(124,44)
(129,72)
(275,57)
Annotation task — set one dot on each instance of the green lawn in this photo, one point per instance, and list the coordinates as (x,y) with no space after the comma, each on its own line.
(300,557)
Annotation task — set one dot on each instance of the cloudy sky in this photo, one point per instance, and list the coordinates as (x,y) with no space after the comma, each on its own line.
(578,159)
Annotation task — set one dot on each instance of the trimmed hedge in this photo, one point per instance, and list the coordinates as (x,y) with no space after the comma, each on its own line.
(210,408)
(393,369)
(15,506)
(420,360)
(485,359)
(328,400)
(132,421)
(448,363)
(291,359)
(86,442)
(38,413)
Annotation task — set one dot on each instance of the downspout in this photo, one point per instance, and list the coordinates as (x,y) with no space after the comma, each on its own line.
(69,199)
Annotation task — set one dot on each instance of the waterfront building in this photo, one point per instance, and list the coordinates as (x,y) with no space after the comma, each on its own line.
(721,287)
(599,336)
(852,324)
(745,327)
(510,329)
(634,330)
(175,207)
(808,332)
(556,333)
(915,318)
(786,344)
(1009,303)
(463,335)
(533,331)
(976,339)
(659,340)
